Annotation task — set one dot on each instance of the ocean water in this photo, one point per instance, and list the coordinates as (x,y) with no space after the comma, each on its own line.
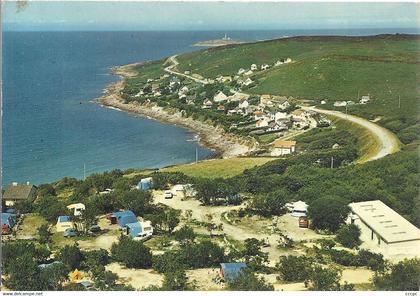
(50,126)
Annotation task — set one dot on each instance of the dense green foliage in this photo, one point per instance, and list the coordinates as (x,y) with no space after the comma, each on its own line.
(293,268)
(403,276)
(133,254)
(71,256)
(248,281)
(328,213)
(349,236)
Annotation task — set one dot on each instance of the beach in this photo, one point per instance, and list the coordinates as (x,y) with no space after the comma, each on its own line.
(226,145)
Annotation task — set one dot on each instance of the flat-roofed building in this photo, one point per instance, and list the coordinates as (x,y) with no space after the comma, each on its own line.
(385,231)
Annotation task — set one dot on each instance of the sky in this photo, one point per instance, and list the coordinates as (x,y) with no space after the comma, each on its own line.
(146,16)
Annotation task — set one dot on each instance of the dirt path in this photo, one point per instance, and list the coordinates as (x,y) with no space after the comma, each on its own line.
(287,224)
(388,143)
(170,69)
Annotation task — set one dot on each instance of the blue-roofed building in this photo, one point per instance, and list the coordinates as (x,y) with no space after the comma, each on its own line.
(229,271)
(8,219)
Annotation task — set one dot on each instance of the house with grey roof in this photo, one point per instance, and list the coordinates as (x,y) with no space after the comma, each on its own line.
(19,192)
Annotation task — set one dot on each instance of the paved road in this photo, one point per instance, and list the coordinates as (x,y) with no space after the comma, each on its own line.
(173,61)
(388,142)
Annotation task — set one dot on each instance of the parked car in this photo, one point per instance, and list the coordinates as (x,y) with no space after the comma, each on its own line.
(168,194)
(94,229)
(70,232)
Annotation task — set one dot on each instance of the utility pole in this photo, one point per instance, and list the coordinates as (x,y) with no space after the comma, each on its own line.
(196,154)
(84,171)
(332,162)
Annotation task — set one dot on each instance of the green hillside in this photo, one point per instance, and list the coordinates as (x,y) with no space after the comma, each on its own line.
(332,68)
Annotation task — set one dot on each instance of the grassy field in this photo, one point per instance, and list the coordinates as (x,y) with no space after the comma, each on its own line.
(30,224)
(334,68)
(218,167)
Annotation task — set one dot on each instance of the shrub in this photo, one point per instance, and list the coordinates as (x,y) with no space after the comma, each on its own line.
(403,276)
(248,281)
(71,256)
(134,254)
(349,236)
(294,268)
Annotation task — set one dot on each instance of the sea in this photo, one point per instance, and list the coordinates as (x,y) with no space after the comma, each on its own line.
(51,128)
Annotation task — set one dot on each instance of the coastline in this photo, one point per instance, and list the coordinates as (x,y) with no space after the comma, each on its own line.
(226,145)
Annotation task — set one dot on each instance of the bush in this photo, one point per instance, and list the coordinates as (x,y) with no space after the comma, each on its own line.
(293,268)
(71,256)
(372,260)
(248,281)
(134,254)
(324,279)
(349,236)
(403,276)
(185,235)
(344,258)
(328,213)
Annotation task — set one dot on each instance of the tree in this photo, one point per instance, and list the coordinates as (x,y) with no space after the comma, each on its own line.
(44,234)
(53,277)
(403,276)
(23,274)
(253,254)
(328,213)
(50,208)
(203,254)
(96,258)
(270,204)
(175,281)
(349,236)
(168,262)
(134,254)
(165,220)
(294,268)
(247,281)
(324,279)
(185,235)
(71,256)
(137,201)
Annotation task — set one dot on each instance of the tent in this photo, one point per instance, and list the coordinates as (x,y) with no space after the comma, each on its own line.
(229,271)
(145,184)
(125,217)
(8,219)
(133,229)
(63,223)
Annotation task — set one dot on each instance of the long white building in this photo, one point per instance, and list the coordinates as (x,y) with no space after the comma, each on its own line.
(385,231)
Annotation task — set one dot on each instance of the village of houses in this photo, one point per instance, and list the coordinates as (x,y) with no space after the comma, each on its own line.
(272,120)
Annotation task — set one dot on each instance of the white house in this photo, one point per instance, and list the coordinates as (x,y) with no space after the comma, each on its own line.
(244,104)
(340,104)
(385,231)
(265,100)
(283,147)
(249,72)
(300,115)
(262,123)
(323,102)
(76,208)
(254,67)
(284,105)
(207,104)
(248,81)
(264,67)
(278,63)
(241,71)
(220,97)
(364,99)
(258,115)
(288,60)
(280,115)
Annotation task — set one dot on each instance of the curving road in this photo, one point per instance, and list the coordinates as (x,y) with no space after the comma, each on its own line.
(172,60)
(388,142)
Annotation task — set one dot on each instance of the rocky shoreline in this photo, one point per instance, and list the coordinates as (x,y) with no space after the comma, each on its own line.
(226,145)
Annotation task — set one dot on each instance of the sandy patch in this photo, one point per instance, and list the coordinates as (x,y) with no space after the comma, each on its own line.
(357,275)
(138,278)
(203,279)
